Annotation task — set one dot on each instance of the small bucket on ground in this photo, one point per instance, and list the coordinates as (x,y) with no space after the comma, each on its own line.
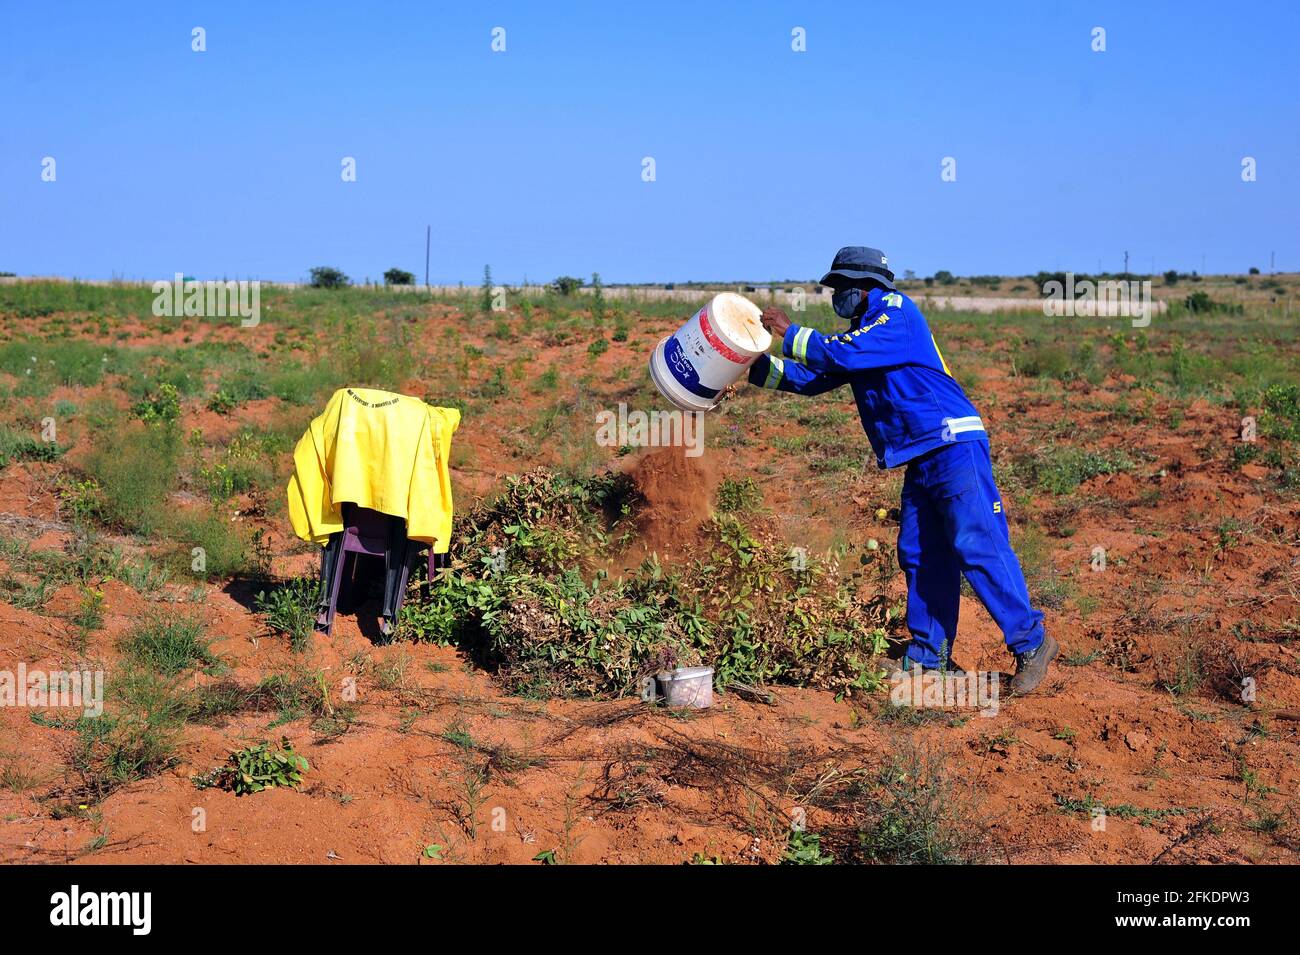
(687,686)
(714,349)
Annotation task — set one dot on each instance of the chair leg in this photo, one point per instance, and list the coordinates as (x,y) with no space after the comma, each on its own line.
(332,561)
(395,570)
(348,596)
(403,579)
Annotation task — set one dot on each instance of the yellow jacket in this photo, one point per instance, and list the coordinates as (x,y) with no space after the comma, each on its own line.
(380,450)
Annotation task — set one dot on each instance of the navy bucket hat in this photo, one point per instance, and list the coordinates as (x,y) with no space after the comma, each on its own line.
(856,263)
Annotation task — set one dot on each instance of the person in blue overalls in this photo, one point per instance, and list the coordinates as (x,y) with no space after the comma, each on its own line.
(952,520)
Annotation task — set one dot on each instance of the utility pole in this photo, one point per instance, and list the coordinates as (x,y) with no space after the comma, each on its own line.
(1126,261)
(1271,263)
(428,229)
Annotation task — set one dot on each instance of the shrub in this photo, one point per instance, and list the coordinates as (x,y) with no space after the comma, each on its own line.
(916,814)
(598,310)
(222,402)
(260,767)
(741,495)
(1281,412)
(15,446)
(160,406)
(1045,361)
(227,548)
(485,296)
(324,276)
(398,277)
(566,285)
(135,741)
(291,609)
(805,848)
(135,469)
(549,627)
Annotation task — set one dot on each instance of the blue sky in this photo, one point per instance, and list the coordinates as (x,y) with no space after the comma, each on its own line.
(227,162)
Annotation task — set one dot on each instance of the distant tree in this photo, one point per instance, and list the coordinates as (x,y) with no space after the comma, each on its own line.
(566,284)
(485,302)
(1253,270)
(323,276)
(1171,277)
(908,275)
(398,277)
(944,277)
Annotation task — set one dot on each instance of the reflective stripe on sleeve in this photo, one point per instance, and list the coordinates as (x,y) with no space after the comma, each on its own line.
(799,347)
(775,372)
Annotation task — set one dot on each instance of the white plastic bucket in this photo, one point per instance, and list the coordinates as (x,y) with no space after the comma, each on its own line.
(687,686)
(714,349)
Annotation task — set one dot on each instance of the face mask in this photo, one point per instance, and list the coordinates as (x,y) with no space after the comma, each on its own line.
(846,302)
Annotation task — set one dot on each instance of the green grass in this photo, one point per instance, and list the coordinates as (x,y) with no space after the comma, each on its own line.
(16,446)
(917,813)
(168,644)
(290,609)
(135,469)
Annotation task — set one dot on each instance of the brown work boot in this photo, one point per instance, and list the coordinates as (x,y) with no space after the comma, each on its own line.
(1031,667)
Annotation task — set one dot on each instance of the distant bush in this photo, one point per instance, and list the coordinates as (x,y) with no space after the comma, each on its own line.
(15,446)
(1200,302)
(160,406)
(598,310)
(323,276)
(944,277)
(1062,470)
(566,285)
(398,277)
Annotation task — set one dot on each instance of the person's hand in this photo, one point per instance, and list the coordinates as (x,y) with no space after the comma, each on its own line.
(775,320)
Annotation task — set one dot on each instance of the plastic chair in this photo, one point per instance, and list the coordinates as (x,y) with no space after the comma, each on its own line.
(369,533)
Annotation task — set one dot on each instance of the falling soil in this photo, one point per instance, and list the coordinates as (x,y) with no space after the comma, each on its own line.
(678,490)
